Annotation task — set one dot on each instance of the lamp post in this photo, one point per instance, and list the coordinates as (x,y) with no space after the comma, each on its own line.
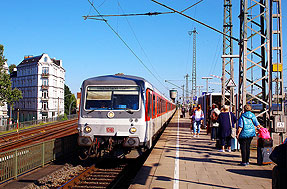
(18,120)
(70,106)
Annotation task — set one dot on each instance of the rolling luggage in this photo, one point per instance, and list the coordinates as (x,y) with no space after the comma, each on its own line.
(263,155)
(234,144)
(261,142)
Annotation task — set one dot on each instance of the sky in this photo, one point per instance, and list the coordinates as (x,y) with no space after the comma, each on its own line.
(89,48)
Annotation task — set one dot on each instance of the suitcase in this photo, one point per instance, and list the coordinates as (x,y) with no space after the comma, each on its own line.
(234,144)
(261,142)
(263,155)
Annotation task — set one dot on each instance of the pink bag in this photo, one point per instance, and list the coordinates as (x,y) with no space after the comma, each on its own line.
(264,133)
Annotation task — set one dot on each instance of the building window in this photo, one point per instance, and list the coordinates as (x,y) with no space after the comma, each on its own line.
(45,70)
(45,82)
(45,106)
(45,94)
(45,59)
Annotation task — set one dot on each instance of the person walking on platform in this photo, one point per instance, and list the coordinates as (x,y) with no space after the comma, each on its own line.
(226,120)
(246,131)
(198,117)
(183,111)
(192,118)
(214,122)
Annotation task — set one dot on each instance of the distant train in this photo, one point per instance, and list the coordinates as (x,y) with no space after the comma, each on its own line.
(120,114)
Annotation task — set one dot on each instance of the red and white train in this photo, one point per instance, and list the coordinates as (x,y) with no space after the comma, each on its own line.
(120,114)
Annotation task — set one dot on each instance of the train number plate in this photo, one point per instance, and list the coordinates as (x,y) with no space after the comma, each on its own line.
(110,130)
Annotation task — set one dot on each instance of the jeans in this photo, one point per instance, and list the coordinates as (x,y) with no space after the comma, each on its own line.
(245,149)
(196,126)
(214,132)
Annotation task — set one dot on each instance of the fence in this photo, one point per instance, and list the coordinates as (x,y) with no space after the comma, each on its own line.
(16,162)
(35,122)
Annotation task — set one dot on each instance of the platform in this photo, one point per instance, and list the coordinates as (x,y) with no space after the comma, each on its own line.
(179,160)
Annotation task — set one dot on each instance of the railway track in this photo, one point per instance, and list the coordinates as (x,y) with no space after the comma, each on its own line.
(38,134)
(94,177)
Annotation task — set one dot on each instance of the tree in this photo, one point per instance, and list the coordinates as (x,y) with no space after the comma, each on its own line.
(2,57)
(11,68)
(7,94)
(69,101)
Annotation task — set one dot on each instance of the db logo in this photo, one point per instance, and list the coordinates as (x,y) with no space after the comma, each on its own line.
(110,130)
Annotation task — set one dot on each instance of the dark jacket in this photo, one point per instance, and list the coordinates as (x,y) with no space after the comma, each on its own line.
(224,129)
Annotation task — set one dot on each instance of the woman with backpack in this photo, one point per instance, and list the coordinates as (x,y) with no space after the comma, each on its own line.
(247,124)
(214,122)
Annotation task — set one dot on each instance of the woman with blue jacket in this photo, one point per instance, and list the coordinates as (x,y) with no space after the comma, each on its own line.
(247,124)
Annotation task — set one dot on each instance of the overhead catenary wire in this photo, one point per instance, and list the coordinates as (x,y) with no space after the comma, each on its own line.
(139,43)
(139,14)
(189,17)
(117,34)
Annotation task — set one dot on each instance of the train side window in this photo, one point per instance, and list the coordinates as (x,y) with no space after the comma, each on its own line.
(157,105)
(149,102)
(153,104)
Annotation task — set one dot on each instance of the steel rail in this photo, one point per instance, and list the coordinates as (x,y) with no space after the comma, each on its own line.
(43,135)
(30,131)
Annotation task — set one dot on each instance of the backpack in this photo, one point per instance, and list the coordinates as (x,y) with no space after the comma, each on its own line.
(264,133)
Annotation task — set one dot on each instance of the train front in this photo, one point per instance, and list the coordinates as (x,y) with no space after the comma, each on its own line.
(111,121)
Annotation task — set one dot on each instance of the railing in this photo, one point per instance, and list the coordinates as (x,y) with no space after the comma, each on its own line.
(45,74)
(44,109)
(44,98)
(36,122)
(45,86)
(16,162)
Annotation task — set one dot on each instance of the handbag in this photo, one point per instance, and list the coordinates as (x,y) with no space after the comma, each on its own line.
(233,129)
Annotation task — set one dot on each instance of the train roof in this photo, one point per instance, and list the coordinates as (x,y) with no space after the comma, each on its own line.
(114,80)
(118,79)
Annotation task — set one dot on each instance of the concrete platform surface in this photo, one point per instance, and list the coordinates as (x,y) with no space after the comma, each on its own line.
(179,160)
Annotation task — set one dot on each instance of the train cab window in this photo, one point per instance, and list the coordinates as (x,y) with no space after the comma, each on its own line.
(112,98)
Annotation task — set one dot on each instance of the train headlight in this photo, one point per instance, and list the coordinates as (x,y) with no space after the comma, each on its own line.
(111,114)
(133,130)
(88,129)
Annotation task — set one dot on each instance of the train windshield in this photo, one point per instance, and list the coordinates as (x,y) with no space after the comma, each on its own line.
(112,98)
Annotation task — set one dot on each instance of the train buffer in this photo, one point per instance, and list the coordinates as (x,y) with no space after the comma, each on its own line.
(179,160)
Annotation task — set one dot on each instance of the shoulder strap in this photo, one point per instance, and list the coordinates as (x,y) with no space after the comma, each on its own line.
(230,120)
(248,118)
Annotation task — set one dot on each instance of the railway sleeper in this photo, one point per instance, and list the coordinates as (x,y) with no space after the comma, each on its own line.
(80,187)
(96,175)
(86,183)
(110,179)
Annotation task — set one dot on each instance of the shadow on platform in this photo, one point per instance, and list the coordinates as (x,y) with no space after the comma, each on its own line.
(252,172)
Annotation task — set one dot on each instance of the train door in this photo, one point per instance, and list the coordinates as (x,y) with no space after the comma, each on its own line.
(149,120)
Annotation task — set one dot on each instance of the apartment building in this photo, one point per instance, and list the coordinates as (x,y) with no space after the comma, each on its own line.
(41,80)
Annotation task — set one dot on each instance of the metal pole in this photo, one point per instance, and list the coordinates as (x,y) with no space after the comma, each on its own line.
(207,78)
(70,106)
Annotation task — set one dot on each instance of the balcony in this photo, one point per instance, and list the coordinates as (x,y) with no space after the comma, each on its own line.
(44,110)
(45,86)
(45,75)
(44,98)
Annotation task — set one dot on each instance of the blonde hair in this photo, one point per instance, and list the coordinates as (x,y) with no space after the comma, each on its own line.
(225,108)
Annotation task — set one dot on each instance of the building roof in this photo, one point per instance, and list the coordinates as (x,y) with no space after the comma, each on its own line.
(31,60)
(36,59)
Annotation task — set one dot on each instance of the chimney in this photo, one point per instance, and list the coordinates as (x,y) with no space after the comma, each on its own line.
(28,56)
